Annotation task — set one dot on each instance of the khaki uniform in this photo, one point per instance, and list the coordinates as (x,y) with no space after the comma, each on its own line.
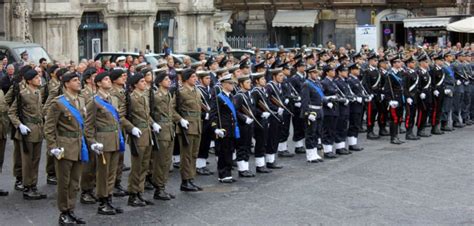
(9,98)
(119,93)
(32,118)
(62,130)
(189,104)
(88,178)
(4,125)
(53,92)
(101,127)
(164,114)
(139,117)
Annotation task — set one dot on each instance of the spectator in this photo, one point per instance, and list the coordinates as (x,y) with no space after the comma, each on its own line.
(7,78)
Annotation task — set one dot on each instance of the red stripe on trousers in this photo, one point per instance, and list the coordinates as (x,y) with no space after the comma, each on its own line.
(369,114)
(420,113)
(435,109)
(394,115)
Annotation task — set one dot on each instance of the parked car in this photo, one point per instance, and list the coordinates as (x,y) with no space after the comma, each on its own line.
(151,58)
(13,50)
(238,53)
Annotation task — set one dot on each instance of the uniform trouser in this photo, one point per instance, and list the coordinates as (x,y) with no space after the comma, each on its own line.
(329,129)
(312,133)
(342,126)
(244,143)
(466,107)
(50,171)
(224,161)
(261,136)
(436,110)
(298,123)
(372,110)
(206,138)
(355,121)
(410,115)
(30,163)
(447,108)
(285,127)
(423,111)
(17,168)
(68,173)
(458,103)
(162,163)
(273,132)
(119,169)
(188,155)
(106,173)
(88,178)
(2,152)
(395,119)
(139,169)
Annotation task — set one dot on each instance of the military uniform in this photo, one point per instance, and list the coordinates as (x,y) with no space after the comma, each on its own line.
(449,87)
(342,124)
(356,110)
(424,101)
(275,94)
(207,134)
(459,91)
(410,88)
(394,92)
(373,80)
(62,130)
(437,79)
(331,113)
(295,84)
(312,104)
(260,98)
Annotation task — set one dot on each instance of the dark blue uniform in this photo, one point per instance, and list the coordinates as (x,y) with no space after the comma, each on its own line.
(312,103)
(393,90)
(342,124)
(424,104)
(275,96)
(330,115)
(356,110)
(449,84)
(207,133)
(296,82)
(410,88)
(245,107)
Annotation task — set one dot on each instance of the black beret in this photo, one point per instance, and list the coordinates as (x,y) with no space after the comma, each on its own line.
(132,80)
(30,74)
(88,73)
(115,74)
(61,72)
(144,71)
(52,68)
(101,76)
(187,74)
(160,76)
(68,76)
(396,58)
(24,69)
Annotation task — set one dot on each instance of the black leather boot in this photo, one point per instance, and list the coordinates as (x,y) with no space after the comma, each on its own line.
(111,205)
(436,130)
(65,219)
(263,169)
(76,218)
(104,208)
(410,136)
(88,198)
(140,196)
(186,186)
(134,201)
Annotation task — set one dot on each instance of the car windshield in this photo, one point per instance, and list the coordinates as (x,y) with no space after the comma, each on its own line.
(35,53)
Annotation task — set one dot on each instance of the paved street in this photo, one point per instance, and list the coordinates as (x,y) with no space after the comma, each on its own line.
(422,183)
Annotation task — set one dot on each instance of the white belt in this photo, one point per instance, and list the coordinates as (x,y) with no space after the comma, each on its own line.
(314,107)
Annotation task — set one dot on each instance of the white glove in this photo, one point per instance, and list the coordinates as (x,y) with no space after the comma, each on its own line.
(409,101)
(207,116)
(298,99)
(24,130)
(330,105)
(219,133)
(370,97)
(447,91)
(382,96)
(393,103)
(458,82)
(298,104)
(287,101)
(312,117)
(57,152)
(422,96)
(97,148)
(248,121)
(136,132)
(156,127)
(466,83)
(280,111)
(265,115)
(346,102)
(436,93)
(359,99)
(184,123)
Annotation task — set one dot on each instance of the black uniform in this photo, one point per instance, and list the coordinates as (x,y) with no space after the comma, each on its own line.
(437,79)
(410,88)
(245,107)
(260,98)
(275,96)
(296,83)
(312,100)
(424,101)
(207,132)
(342,124)
(394,92)
(356,110)
(330,115)
(373,81)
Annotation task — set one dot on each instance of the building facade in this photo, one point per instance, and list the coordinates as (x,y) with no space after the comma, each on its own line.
(76,29)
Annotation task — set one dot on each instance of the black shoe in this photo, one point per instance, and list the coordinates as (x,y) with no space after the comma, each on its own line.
(234,164)
(148,184)
(104,208)
(286,154)
(300,150)
(88,198)
(176,165)
(313,161)
(19,184)
(227,180)
(186,186)
(246,173)
(134,201)
(355,148)
(140,196)
(436,130)
(117,209)
(422,133)
(76,218)
(51,180)
(273,165)
(118,190)
(160,194)
(343,151)
(469,122)
(191,182)
(372,136)
(263,169)
(65,219)
(411,136)
(402,129)
(330,155)
(395,140)
(383,132)
(3,193)
(203,171)
(125,168)
(31,193)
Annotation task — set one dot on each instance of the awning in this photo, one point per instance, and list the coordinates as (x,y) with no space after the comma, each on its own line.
(463,26)
(93,26)
(295,18)
(426,22)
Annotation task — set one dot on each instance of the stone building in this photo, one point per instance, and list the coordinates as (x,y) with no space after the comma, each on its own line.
(295,23)
(76,29)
